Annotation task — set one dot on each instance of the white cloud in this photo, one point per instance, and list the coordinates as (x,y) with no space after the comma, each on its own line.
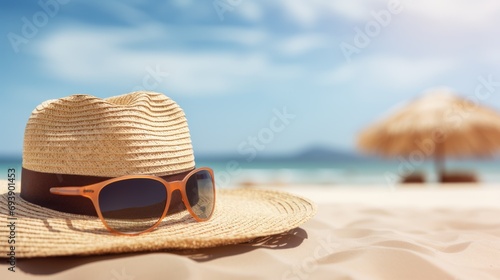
(244,36)
(475,13)
(392,72)
(469,13)
(251,11)
(356,9)
(310,12)
(301,11)
(345,73)
(106,55)
(300,44)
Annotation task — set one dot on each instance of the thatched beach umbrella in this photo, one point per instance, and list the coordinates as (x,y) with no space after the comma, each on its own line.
(437,125)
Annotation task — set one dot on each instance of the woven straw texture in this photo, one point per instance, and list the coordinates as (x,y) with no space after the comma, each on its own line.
(135,133)
(240,215)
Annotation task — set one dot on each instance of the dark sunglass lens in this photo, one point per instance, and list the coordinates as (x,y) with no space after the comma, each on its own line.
(200,192)
(132,205)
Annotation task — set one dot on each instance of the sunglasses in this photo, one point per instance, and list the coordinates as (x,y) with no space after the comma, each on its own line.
(133,205)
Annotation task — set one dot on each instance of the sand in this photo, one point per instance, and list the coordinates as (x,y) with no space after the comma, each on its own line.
(359,233)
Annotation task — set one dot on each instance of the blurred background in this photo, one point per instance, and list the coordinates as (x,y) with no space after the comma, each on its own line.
(274,91)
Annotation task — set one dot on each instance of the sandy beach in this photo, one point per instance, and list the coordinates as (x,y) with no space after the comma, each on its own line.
(426,232)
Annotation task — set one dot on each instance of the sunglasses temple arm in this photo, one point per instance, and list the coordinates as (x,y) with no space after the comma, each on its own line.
(66,190)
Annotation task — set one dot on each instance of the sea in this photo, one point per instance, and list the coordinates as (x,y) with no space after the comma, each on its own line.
(236,172)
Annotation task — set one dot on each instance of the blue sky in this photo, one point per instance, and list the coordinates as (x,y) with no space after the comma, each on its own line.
(231,74)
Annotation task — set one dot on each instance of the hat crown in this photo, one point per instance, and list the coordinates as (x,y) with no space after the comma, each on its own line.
(136,133)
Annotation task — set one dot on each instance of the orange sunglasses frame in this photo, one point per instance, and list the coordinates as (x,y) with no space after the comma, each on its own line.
(92,192)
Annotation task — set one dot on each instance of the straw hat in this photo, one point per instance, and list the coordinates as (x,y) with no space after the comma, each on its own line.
(82,137)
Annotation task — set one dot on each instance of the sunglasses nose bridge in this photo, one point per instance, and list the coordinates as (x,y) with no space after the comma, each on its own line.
(176,185)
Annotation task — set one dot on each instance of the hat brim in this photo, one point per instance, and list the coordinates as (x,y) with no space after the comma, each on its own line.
(240,215)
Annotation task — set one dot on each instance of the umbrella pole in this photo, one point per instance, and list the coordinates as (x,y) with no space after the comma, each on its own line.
(439,162)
